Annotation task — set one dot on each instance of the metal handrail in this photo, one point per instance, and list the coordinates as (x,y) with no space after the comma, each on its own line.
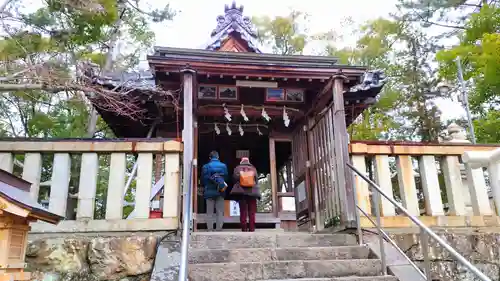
(424,230)
(393,243)
(186,225)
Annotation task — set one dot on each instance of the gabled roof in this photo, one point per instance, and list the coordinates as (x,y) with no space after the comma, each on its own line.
(16,191)
(233,25)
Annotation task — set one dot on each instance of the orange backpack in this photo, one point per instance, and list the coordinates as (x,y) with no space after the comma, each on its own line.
(247,178)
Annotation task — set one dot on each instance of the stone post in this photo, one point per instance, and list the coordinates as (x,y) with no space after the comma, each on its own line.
(188,76)
(457,135)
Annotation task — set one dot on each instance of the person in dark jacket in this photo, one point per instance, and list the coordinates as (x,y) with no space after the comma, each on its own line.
(245,195)
(214,178)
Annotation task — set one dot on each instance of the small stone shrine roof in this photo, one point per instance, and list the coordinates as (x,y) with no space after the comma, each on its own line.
(17,191)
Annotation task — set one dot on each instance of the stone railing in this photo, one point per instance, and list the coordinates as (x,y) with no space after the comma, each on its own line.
(428,179)
(85,180)
(491,161)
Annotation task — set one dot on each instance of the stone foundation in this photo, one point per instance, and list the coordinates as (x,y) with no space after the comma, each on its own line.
(481,249)
(127,257)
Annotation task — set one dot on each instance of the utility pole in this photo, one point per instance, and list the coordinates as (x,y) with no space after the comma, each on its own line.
(465,96)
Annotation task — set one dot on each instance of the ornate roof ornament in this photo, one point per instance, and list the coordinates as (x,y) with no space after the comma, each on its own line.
(234,17)
(371,79)
(233,21)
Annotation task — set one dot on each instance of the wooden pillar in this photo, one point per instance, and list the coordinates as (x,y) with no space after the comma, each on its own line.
(274,176)
(314,183)
(344,174)
(158,167)
(188,128)
(289,180)
(307,182)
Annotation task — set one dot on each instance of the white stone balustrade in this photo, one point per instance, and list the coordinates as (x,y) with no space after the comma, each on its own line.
(475,162)
(90,150)
(412,171)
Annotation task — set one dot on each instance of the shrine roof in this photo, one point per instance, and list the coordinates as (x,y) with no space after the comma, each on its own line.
(208,56)
(246,63)
(17,191)
(233,52)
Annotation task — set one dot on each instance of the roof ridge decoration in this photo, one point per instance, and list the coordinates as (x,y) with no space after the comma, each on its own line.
(234,21)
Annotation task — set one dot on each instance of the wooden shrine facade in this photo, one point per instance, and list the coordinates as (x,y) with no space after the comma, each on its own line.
(287,113)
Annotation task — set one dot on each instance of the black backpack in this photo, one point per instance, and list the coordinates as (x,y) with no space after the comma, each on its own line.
(218,180)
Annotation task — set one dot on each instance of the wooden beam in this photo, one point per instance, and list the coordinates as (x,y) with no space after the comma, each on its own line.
(386,148)
(434,221)
(90,145)
(263,70)
(209,110)
(322,98)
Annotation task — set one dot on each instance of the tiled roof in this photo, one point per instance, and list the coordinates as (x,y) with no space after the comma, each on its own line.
(141,80)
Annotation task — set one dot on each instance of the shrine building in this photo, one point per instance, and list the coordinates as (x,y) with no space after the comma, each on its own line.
(287,113)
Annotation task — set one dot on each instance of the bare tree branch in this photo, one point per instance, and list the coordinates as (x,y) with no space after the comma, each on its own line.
(4,5)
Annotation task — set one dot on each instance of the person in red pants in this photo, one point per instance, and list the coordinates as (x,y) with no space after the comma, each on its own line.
(246,192)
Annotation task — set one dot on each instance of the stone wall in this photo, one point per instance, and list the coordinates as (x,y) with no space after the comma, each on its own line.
(481,248)
(128,257)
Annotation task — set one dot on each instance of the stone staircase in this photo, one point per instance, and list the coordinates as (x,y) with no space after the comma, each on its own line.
(238,256)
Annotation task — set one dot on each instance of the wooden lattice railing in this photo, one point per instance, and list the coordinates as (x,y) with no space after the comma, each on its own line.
(84,181)
(429,180)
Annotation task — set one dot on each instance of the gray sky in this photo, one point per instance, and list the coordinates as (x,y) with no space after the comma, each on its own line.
(197,18)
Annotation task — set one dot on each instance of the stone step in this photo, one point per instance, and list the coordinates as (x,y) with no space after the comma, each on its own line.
(283,270)
(348,278)
(277,254)
(238,240)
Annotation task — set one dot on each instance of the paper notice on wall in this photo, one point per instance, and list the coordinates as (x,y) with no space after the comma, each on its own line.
(234,209)
(301,191)
(155,204)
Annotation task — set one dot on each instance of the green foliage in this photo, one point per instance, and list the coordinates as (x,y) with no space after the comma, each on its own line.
(46,45)
(401,112)
(487,127)
(477,26)
(479,51)
(448,14)
(284,34)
